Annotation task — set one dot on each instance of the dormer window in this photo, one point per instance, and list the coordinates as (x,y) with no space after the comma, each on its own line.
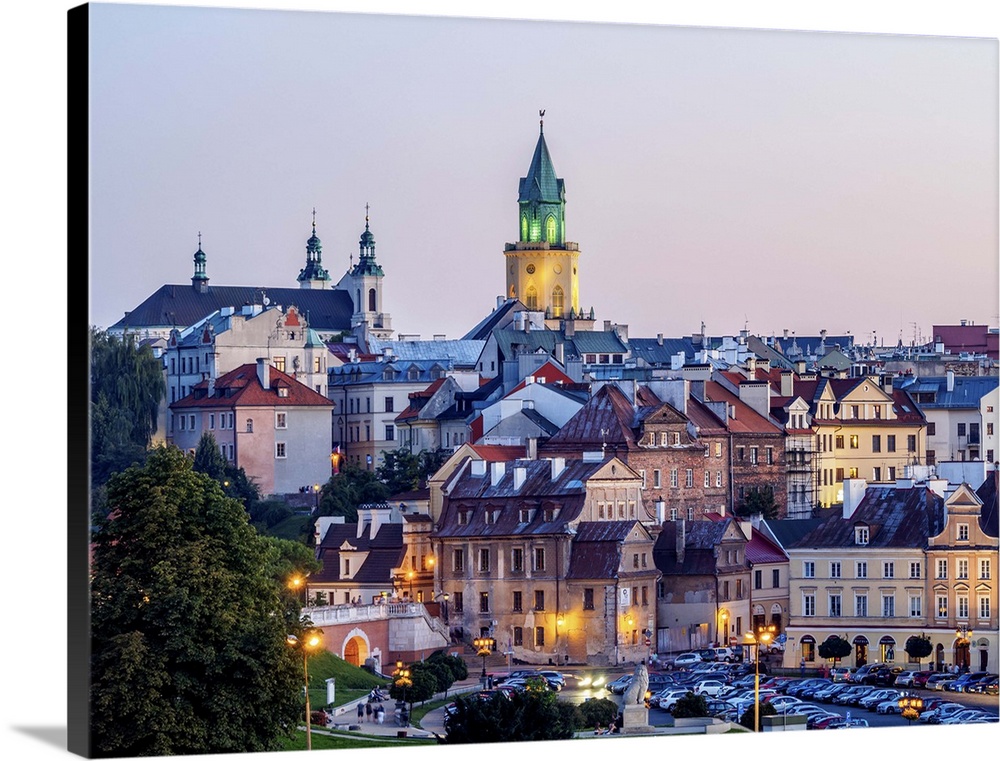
(283,392)
(463,517)
(550,514)
(861,535)
(491,516)
(524,516)
(963,532)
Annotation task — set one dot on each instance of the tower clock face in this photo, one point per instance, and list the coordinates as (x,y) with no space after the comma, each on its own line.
(557,269)
(530,269)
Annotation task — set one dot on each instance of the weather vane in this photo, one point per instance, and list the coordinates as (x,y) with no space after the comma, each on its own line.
(541,119)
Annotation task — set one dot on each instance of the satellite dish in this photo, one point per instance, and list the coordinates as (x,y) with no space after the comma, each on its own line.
(266,301)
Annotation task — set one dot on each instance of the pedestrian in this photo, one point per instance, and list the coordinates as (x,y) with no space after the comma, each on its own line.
(379,714)
(361,712)
(368,711)
(802,667)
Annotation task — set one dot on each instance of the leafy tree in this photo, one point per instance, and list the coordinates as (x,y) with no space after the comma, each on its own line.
(747,719)
(834,647)
(525,715)
(208,459)
(690,706)
(126,388)
(458,667)
(918,647)
(597,712)
(402,470)
(759,501)
(188,620)
(353,486)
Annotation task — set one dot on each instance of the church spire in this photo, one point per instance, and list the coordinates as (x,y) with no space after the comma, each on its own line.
(541,197)
(313,275)
(366,252)
(200,279)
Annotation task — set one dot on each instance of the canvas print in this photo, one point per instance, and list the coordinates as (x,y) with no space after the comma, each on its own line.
(462,381)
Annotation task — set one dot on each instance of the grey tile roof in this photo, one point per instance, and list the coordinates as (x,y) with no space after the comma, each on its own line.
(485,326)
(967,392)
(181,305)
(461,352)
(385,552)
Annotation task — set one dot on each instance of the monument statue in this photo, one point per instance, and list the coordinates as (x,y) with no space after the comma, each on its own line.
(636,692)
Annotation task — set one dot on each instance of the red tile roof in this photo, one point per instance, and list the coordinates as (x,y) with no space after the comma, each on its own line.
(547,373)
(245,390)
(747,419)
(496,453)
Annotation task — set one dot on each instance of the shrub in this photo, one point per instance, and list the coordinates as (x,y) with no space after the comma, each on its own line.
(690,706)
(599,711)
(766,709)
(318,718)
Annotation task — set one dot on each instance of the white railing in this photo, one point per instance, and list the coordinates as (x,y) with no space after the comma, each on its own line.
(326,615)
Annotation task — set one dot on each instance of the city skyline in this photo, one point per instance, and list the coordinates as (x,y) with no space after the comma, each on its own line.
(759,173)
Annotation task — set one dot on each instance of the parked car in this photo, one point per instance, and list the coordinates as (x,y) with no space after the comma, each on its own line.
(904,679)
(937,681)
(963,681)
(518,674)
(846,723)
(962,717)
(686,660)
(709,687)
(668,701)
(858,677)
(619,685)
(984,685)
(841,673)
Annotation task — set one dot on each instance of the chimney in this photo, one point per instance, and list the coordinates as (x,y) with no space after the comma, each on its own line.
(747,528)
(854,492)
(787,383)
(757,396)
(558,466)
(439,336)
(520,475)
(661,511)
(560,353)
(531,448)
(211,386)
(659,339)
(680,539)
(496,472)
(479,468)
(263,372)
(800,366)
(751,367)
(950,380)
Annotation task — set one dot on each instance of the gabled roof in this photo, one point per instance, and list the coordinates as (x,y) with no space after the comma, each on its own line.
(700,540)
(242,388)
(967,392)
(747,419)
(385,552)
(182,305)
(502,314)
(605,420)
(760,549)
(597,550)
(461,352)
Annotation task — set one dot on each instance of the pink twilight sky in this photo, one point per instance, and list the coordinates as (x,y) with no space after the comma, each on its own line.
(763,179)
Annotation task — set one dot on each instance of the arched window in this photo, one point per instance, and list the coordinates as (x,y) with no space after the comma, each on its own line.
(249,425)
(357,301)
(531,298)
(550,229)
(557,302)
(513,293)
(524,227)
(371,299)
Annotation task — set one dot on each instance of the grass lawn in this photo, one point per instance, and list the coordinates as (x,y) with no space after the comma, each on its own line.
(347,741)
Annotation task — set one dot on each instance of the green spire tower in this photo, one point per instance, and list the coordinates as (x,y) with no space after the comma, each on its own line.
(542,264)
(313,275)
(200,279)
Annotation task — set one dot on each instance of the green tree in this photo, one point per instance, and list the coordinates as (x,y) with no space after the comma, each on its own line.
(596,712)
(918,647)
(458,667)
(759,501)
(208,459)
(353,486)
(834,647)
(402,470)
(188,621)
(690,706)
(525,715)
(126,388)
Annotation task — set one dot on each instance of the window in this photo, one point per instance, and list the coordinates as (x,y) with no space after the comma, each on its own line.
(539,558)
(915,570)
(890,443)
(861,569)
(775,578)
(984,568)
(484,560)
(540,630)
(390,433)
(989,429)
(718,478)
(389,404)
(725,590)
(588,598)
(915,607)
(758,579)
(854,441)
(809,605)
(557,302)
(645,596)
(249,425)
(708,479)
(942,606)
(183,422)
(888,606)
(769,455)
(539,600)
(861,535)
(280,420)
(718,449)
(861,605)
(963,532)
(753,455)
(635,559)
(740,454)
(279,364)
(739,589)
(962,602)
(642,475)
(961,429)
(279,450)
(368,404)
(517,602)
(888,569)
(876,443)
(962,567)
(931,428)
(517,560)
(942,569)
(854,411)
(484,602)
(835,569)
(656,479)
(518,636)
(876,474)
(839,442)
(984,607)
(835,607)
(808,569)
(689,478)
(673,478)
(644,563)
(911,443)
(211,421)
(459,561)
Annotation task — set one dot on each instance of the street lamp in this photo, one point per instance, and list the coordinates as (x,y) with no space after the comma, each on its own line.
(484,646)
(963,636)
(443,596)
(911,708)
(764,634)
(409,577)
(316,492)
(723,632)
(295,584)
(311,641)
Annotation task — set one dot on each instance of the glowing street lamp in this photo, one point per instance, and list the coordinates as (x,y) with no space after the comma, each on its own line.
(484,646)
(764,635)
(311,640)
(295,583)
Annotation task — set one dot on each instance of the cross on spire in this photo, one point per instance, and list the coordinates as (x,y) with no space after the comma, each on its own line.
(541,120)
(314,220)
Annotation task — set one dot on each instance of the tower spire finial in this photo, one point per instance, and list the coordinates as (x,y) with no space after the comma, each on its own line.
(541,121)
(366,216)
(314,220)
(199,239)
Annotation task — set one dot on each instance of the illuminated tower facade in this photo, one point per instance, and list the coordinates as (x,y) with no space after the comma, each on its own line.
(542,264)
